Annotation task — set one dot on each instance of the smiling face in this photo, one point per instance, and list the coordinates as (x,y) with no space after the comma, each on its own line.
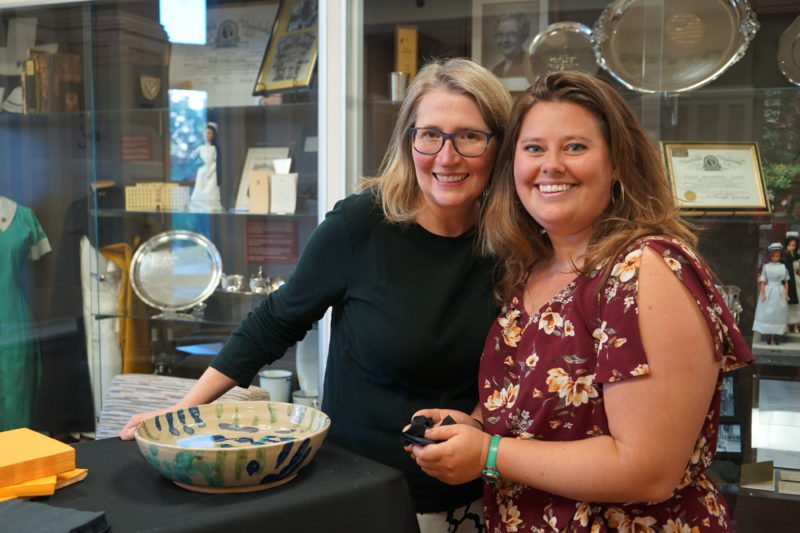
(508,36)
(450,183)
(562,168)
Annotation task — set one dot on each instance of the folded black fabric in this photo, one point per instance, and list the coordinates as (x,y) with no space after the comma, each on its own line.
(415,434)
(23,515)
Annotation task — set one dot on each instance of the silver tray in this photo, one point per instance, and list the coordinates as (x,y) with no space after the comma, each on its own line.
(176,270)
(789,52)
(561,46)
(675,45)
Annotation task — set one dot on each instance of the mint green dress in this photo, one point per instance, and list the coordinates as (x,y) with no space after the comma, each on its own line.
(21,240)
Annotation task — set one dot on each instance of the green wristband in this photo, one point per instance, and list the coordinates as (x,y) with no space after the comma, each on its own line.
(490,474)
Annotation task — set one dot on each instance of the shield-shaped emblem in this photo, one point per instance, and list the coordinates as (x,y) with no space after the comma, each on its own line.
(150,86)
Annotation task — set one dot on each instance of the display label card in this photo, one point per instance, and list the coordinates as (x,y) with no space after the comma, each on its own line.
(271,241)
(259,191)
(283,193)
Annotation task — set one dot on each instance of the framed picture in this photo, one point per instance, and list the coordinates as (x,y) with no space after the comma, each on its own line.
(727,406)
(730,438)
(775,421)
(236,36)
(292,49)
(259,158)
(717,178)
(502,31)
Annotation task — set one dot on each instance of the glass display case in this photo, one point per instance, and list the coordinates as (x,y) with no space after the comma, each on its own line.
(720,72)
(167,183)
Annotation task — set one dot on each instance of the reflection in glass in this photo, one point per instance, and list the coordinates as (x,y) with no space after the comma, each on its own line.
(561,46)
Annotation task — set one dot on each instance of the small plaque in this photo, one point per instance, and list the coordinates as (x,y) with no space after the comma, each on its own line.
(271,241)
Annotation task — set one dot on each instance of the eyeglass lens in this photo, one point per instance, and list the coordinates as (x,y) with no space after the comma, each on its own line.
(469,143)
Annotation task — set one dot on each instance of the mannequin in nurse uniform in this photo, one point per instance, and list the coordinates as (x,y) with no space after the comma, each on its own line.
(21,239)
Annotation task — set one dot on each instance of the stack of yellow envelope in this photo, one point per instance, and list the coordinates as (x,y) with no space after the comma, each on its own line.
(32,464)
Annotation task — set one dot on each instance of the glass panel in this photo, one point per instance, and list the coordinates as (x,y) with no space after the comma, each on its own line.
(685,83)
(113,130)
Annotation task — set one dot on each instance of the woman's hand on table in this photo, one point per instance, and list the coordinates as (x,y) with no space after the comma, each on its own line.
(126,433)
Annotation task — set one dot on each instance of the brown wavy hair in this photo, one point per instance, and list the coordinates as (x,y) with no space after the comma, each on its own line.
(396,185)
(641,204)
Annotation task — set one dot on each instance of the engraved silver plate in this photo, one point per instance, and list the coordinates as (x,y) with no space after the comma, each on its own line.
(176,270)
(561,46)
(675,45)
(789,52)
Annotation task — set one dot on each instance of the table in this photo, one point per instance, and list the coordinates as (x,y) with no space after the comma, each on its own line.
(338,491)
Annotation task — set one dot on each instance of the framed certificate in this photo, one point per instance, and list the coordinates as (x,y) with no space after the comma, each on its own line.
(292,50)
(716,178)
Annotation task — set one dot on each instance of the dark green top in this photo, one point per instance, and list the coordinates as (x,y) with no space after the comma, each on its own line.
(410,315)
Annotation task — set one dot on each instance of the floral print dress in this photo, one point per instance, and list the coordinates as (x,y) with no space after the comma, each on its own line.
(542,378)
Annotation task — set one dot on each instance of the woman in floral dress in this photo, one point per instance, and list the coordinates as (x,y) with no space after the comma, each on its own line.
(601,377)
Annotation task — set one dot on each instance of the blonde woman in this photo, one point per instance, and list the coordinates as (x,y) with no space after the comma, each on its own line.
(411,295)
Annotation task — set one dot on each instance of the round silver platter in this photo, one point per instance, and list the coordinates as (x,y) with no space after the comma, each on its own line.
(789,52)
(176,270)
(561,46)
(678,45)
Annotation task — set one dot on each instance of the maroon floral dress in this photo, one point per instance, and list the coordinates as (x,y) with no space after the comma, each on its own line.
(542,378)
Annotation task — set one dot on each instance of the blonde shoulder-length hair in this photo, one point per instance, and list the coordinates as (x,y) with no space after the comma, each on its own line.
(396,184)
(641,203)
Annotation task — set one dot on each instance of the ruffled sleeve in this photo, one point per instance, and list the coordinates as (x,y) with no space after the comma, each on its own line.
(616,334)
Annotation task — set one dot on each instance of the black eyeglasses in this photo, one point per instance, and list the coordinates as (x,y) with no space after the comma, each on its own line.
(468,143)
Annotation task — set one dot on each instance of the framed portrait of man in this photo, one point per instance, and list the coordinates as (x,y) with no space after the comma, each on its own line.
(292,49)
(502,31)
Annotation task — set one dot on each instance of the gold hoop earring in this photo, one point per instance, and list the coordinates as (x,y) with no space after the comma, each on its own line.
(621,194)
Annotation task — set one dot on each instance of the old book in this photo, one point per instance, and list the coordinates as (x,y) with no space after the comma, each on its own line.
(26,455)
(29,88)
(58,82)
(62,79)
(66,82)
(42,83)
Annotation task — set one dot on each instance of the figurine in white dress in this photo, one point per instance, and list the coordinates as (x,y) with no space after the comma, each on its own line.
(772,310)
(205,196)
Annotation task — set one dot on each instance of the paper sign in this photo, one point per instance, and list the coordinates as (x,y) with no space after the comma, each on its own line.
(283,193)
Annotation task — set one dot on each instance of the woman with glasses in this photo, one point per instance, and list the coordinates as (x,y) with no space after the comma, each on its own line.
(600,379)
(411,296)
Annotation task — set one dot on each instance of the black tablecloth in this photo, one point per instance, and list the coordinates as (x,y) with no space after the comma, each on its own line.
(338,491)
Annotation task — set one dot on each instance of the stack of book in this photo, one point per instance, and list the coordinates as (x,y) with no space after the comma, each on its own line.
(52,83)
(32,464)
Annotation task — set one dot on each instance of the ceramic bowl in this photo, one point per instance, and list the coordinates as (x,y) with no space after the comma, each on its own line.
(233,446)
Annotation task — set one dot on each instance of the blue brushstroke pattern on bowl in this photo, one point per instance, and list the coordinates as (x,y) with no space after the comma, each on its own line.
(233,446)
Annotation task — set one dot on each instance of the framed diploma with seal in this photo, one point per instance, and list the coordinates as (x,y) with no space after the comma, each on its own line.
(716,178)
